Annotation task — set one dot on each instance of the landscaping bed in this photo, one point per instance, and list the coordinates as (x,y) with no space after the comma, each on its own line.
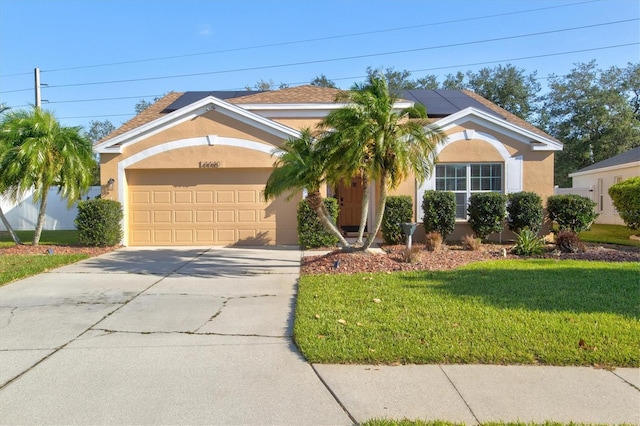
(448,257)
(28,249)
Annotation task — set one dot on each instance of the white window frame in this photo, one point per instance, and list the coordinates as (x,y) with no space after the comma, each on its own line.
(468,178)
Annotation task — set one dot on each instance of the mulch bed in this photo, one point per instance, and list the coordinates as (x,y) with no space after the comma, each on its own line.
(28,249)
(448,257)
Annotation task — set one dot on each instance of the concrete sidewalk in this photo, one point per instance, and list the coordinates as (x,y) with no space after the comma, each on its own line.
(204,336)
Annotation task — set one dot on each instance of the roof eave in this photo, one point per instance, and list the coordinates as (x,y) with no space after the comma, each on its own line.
(116,144)
(605,169)
(536,142)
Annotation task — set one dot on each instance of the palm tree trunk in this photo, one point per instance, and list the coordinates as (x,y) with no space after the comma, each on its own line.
(317,204)
(364,215)
(7,225)
(41,217)
(379,213)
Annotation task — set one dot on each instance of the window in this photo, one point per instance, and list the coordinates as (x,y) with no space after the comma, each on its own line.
(465,179)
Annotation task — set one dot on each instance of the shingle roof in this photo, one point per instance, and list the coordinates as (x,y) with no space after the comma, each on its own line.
(295,95)
(630,156)
(146,116)
(292,95)
(509,117)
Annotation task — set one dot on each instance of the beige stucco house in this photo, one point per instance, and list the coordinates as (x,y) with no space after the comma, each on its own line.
(595,180)
(190,169)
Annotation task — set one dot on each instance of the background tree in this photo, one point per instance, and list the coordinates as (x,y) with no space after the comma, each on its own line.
(594,113)
(506,86)
(143,104)
(266,85)
(323,81)
(99,130)
(39,154)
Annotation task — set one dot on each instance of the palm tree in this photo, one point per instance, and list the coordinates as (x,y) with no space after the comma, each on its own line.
(3,218)
(301,166)
(41,154)
(369,137)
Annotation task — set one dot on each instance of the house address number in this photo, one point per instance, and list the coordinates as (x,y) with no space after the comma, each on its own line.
(209,164)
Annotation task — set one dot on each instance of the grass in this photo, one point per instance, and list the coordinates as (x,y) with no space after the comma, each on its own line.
(609,234)
(406,422)
(63,238)
(540,311)
(14,267)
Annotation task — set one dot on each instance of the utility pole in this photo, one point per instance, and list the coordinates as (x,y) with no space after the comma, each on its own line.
(36,74)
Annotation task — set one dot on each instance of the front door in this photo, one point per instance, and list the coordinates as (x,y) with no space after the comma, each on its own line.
(349,196)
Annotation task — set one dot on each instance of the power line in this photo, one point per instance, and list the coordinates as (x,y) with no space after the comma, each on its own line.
(348,57)
(334,37)
(412,71)
(363,76)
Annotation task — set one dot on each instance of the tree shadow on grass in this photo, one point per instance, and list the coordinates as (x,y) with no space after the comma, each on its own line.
(568,287)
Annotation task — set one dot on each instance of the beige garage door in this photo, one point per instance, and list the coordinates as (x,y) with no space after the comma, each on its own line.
(201,207)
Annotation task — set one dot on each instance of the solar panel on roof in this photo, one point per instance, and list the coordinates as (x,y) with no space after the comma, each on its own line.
(188,98)
(441,103)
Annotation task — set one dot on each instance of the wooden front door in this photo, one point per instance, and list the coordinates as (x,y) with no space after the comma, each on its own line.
(349,196)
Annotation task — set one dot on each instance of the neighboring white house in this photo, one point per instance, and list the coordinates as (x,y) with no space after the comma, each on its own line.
(596,179)
(23,215)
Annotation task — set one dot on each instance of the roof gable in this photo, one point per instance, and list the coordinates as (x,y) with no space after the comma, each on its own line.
(154,126)
(538,141)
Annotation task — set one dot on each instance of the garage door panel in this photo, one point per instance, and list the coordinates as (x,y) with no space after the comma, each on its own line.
(204,197)
(141,217)
(161,197)
(141,197)
(204,216)
(184,236)
(162,216)
(247,216)
(204,236)
(246,196)
(183,216)
(141,237)
(225,197)
(226,235)
(199,207)
(162,236)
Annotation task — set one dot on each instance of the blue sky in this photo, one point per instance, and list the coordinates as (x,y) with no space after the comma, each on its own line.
(159,46)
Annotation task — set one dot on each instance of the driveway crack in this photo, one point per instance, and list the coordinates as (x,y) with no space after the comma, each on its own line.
(9,318)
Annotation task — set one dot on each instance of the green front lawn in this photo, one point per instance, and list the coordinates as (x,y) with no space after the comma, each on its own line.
(63,238)
(406,422)
(14,267)
(610,234)
(500,312)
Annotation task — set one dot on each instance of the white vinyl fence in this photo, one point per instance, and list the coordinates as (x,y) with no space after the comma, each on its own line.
(24,215)
(585,192)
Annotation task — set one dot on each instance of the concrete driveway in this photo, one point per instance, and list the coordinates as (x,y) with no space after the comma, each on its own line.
(159,336)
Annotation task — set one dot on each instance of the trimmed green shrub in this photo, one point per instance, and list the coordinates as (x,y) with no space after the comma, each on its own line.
(397,210)
(528,243)
(99,222)
(486,212)
(524,211)
(571,212)
(439,209)
(311,232)
(626,199)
